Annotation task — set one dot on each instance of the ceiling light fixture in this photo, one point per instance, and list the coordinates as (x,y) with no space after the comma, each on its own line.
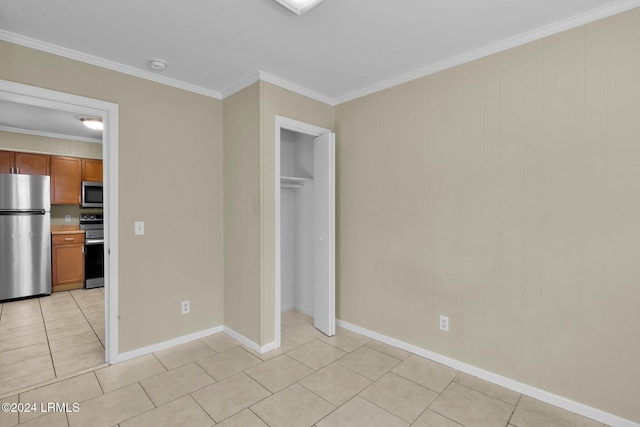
(157,64)
(299,6)
(92,123)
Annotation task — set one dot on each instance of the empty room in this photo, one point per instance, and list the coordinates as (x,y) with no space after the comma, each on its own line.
(320,213)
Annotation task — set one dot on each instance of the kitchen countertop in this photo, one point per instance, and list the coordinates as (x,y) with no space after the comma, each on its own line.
(66,229)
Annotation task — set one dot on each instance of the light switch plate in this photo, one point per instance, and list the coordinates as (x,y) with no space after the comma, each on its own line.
(139,228)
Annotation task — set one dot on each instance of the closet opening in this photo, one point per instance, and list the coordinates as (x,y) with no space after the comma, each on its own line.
(305,229)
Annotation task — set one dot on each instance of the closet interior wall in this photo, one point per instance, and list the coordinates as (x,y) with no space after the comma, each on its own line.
(296,216)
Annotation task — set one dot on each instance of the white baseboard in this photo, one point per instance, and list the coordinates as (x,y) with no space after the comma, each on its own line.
(536,393)
(167,344)
(248,343)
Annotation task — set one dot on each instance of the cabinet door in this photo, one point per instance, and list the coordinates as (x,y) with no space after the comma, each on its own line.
(92,170)
(32,164)
(66,174)
(6,161)
(67,266)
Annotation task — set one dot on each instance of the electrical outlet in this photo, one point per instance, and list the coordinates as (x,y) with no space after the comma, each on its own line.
(139,228)
(185,307)
(444,323)
(67,218)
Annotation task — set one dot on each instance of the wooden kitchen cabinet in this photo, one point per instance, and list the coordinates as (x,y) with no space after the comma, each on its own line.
(24,163)
(67,259)
(92,170)
(66,178)
(7,161)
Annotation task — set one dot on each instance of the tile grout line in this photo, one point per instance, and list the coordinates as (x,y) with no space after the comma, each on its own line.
(46,332)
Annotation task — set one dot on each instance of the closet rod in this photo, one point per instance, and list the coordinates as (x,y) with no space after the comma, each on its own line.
(291,185)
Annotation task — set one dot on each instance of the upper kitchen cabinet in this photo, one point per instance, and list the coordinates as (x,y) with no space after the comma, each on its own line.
(24,163)
(92,170)
(66,178)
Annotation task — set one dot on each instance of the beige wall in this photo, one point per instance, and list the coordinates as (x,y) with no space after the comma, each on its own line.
(13,141)
(242,212)
(504,193)
(170,176)
(277,101)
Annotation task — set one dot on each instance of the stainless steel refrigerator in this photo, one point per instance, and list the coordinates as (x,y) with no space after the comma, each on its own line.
(25,236)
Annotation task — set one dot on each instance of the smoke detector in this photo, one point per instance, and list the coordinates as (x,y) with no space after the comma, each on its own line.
(157,64)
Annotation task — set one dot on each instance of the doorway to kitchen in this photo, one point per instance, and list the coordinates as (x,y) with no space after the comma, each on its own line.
(304,225)
(108,112)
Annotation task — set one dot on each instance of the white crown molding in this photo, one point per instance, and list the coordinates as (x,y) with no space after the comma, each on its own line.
(537,34)
(240,84)
(49,134)
(300,90)
(104,63)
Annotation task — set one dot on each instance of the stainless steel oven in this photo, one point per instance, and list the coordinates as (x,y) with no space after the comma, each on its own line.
(93,224)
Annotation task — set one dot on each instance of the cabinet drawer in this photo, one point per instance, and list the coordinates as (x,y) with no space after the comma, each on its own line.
(67,239)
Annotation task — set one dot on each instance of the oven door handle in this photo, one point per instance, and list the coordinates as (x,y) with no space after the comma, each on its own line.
(94,242)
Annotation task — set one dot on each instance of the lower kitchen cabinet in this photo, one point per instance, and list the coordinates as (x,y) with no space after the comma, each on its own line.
(67,258)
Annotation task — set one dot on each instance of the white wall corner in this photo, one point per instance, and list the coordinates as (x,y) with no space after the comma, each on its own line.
(249,343)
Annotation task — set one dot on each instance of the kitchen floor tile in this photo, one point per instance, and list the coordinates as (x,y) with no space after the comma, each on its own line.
(359,413)
(228,363)
(534,413)
(183,354)
(73,390)
(112,408)
(399,396)
(55,315)
(316,354)
(336,384)
(9,418)
(25,367)
(471,408)
(426,372)
(78,358)
(45,373)
(181,412)
(24,341)
(23,321)
(66,332)
(66,322)
(278,373)
(72,341)
(55,419)
(294,406)
(220,342)
(23,353)
(168,386)
(230,396)
(20,331)
(129,372)
(370,363)
(23,305)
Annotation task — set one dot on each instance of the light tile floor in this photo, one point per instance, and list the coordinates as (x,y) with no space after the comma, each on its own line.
(50,337)
(312,380)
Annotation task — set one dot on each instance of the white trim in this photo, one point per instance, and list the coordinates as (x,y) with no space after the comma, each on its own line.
(17,92)
(300,90)
(240,84)
(308,129)
(293,6)
(536,393)
(104,63)
(537,34)
(49,134)
(248,343)
(168,344)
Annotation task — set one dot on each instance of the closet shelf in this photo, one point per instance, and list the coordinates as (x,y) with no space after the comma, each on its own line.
(293,181)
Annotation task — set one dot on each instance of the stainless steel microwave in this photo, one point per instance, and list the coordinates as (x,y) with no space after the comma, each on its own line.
(91,194)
